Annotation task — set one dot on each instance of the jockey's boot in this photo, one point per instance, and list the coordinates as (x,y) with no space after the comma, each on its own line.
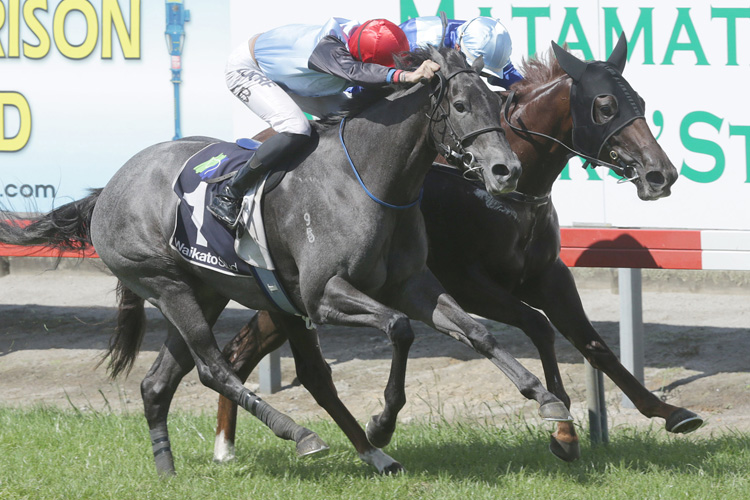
(226,205)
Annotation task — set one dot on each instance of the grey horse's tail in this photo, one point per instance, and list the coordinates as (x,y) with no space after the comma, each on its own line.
(65,228)
(126,340)
(69,228)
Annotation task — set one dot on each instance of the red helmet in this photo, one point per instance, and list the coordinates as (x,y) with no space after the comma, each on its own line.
(376,41)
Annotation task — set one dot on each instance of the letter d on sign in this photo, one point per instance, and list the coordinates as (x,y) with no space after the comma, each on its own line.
(21,105)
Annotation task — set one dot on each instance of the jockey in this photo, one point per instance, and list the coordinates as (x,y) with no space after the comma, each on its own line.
(481,36)
(287,70)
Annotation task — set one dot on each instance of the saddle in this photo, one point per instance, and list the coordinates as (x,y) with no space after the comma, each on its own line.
(203,241)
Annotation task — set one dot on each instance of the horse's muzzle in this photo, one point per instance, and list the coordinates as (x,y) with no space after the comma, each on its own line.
(503,177)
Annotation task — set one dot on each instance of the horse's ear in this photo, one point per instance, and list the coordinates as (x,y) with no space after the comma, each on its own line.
(619,55)
(569,63)
(478,64)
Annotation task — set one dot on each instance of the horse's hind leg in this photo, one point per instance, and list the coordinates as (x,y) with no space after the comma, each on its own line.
(183,311)
(157,389)
(258,337)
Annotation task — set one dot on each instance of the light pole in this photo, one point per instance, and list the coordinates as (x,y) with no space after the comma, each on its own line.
(177,16)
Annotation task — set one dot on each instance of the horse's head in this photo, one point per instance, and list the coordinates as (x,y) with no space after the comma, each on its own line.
(465,122)
(609,124)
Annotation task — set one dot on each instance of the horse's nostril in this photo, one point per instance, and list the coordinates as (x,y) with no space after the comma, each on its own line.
(655,178)
(500,170)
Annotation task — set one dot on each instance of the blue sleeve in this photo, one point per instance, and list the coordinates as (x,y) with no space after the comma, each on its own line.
(451,32)
(510,76)
(429,28)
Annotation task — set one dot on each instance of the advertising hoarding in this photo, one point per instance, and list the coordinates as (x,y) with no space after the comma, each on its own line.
(86,84)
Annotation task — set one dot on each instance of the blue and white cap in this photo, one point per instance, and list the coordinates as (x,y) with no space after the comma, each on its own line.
(487,37)
(423,31)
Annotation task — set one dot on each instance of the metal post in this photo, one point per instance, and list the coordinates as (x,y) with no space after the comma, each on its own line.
(177,16)
(269,373)
(598,431)
(631,325)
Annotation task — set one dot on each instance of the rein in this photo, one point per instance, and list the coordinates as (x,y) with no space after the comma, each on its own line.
(456,154)
(626,173)
(362,183)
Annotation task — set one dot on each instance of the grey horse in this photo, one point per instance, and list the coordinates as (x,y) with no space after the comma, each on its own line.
(366,265)
(498,256)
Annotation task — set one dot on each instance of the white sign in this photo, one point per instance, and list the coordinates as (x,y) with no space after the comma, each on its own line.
(86,84)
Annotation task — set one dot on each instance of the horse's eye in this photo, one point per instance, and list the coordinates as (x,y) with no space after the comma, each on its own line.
(606,110)
(459,106)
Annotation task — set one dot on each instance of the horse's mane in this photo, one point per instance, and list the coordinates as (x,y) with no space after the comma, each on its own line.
(367,97)
(539,70)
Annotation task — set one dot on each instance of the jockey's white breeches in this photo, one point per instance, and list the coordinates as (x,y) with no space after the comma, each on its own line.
(281,110)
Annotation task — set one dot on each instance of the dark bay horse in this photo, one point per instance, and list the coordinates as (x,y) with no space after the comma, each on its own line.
(498,256)
(366,265)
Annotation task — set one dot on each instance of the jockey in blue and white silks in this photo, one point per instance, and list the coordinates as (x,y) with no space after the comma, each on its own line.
(481,36)
(280,73)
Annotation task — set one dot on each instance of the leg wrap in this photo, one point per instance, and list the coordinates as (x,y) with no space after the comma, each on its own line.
(162,451)
(281,425)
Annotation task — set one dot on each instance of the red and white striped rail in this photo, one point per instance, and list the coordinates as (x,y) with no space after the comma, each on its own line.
(594,247)
(655,248)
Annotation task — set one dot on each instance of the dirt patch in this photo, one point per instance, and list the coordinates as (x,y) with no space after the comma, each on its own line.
(56,325)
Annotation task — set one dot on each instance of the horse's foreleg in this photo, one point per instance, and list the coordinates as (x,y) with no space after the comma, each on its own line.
(556,294)
(315,375)
(257,338)
(343,304)
(424,298)
(484,296)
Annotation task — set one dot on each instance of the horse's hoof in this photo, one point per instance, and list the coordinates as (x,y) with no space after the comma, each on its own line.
(383,463)
(310,445)
(569,452)
(555,412)
(377,437)
(165,465)
(683,421)
(393,469)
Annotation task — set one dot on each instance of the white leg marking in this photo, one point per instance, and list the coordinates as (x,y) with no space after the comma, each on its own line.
(223,449)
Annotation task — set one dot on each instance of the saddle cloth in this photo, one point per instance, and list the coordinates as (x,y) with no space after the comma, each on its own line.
(202,240)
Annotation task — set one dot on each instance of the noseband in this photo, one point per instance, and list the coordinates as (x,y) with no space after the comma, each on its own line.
(455,152)
(626,172)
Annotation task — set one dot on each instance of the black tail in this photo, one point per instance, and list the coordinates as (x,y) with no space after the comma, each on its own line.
(126,340)
(65,228)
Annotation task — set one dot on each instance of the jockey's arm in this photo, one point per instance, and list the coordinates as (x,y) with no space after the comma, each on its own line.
(331,56)
(510,76)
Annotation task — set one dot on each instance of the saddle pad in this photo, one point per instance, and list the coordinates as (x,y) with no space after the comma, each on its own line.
(198,236)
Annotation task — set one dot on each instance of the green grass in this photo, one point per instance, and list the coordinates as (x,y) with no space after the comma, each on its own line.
(51,453)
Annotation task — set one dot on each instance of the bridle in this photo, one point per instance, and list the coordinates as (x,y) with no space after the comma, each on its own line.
(626,172)
(454,152)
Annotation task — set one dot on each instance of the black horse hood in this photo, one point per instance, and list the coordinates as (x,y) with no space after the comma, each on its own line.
(600,79)
(597,79)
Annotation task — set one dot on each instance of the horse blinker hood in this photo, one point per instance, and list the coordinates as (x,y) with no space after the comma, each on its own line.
(598,79)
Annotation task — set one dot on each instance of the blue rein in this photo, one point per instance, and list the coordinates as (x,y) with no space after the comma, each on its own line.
(361,183)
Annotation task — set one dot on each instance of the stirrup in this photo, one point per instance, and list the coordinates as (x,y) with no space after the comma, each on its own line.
(226,210)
